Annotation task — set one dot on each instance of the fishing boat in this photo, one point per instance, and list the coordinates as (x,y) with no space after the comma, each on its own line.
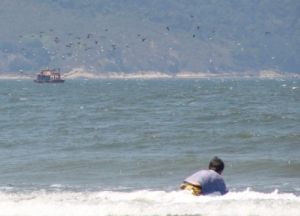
(49,76)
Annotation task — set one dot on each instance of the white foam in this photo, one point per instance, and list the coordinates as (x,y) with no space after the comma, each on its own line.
(147,203)
(23,99)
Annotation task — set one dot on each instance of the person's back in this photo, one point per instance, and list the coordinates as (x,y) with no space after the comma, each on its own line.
(209,180)
(206,182)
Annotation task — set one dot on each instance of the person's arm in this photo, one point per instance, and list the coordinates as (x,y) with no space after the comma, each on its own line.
(222,188)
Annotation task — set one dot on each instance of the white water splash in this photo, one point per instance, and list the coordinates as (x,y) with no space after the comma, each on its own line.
(146,202)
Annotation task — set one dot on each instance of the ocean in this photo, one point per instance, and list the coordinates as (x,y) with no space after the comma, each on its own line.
(123,146)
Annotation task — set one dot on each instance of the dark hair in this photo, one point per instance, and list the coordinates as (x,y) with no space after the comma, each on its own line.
(216,164)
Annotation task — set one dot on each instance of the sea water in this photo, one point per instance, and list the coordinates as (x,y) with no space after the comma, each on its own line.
(122,147)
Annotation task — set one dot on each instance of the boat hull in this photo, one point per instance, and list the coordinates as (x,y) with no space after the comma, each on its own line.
(49,76)
(49,81)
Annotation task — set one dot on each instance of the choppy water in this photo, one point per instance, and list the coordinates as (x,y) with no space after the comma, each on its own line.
(122,147)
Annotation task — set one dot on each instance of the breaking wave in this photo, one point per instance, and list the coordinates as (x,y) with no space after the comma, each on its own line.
(146,202)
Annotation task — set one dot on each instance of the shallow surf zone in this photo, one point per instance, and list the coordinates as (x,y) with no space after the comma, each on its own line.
(139,203)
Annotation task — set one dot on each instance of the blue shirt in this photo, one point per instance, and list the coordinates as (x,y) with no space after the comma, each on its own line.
(209,180)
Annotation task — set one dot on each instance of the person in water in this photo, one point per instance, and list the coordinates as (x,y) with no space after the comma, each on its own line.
(208,181)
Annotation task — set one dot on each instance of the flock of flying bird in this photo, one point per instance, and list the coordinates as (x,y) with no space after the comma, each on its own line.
(74,43)
(86,42)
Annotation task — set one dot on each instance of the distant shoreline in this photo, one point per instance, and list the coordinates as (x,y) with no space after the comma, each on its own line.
(83,74)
